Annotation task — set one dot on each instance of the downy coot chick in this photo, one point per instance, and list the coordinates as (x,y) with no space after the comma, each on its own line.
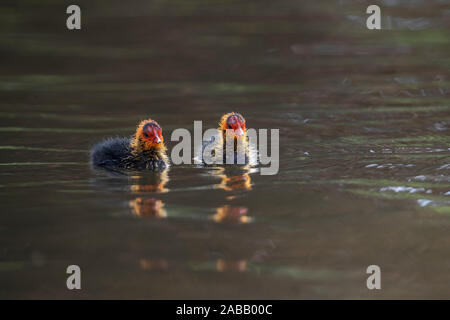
(145,150)
(235,124)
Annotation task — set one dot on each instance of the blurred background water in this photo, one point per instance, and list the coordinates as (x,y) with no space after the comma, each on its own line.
(364,121)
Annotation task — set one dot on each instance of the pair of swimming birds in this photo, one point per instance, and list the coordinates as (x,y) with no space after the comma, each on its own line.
(146,150)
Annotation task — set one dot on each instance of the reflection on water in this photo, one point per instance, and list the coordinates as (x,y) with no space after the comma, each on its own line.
(152,265)
(229,213)
(234,179)
(231,180)
(150,182)
(239,266)
(220,265)
(364,150)
(148,207)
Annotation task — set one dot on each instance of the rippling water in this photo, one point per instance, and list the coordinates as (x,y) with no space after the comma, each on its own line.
(364,149)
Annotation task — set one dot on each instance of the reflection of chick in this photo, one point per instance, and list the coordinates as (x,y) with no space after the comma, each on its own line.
(150,183)
(146,150)
(155,264)
(148,208)
(222,265)
(235,182)
(227,213)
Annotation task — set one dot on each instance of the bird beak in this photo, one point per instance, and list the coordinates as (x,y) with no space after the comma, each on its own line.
(239,132)
(157,138)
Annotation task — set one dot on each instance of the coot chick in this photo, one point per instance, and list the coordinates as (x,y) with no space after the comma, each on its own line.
(235,124)
(145,150)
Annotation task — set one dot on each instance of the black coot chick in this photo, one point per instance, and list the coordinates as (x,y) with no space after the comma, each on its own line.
(146,150)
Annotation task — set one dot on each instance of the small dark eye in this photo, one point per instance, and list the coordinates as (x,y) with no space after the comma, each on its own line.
(229,127)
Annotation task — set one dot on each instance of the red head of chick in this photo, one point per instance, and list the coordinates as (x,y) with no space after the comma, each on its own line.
(233,121)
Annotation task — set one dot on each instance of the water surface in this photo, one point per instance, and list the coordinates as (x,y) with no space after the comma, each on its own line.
(364,149)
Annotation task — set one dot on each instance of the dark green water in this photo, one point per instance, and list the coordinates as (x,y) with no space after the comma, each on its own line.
(364,149)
